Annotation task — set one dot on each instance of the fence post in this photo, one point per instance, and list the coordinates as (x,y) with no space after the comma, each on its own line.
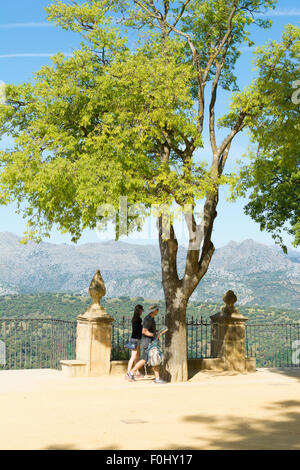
(93,342)
(228,337)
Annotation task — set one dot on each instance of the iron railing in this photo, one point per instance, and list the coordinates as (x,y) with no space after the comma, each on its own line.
(36,343)
(30,343)
(121,333)
(198,337)
(273,344)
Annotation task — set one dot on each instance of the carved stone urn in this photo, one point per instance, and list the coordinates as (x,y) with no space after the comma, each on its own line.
(97,290)
(93,341)
(228,334)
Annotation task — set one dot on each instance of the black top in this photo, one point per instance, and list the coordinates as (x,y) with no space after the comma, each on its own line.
(137,328)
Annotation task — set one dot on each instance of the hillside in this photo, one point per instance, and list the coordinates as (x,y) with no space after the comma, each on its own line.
(259,274)
(69,306)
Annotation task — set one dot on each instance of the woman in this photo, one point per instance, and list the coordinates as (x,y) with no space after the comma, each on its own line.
(136,336)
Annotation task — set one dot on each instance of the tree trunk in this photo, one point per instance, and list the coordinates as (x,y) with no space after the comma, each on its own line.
(176,365)
(178,291)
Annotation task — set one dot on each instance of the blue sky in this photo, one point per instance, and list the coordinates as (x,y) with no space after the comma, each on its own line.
(27,41)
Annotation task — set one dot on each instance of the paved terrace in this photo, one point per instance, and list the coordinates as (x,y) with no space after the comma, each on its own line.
(42,409)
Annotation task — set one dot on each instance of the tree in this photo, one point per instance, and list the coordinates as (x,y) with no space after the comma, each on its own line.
(273,175)
(115,120)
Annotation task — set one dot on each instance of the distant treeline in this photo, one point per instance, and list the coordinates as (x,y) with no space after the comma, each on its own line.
(40,343)
(69,306)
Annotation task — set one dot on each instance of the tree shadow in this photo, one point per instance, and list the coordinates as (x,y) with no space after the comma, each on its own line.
(60,447)
(180,447)
(207,373)
(75,447)
(288,371)
(111,447)
(232,432)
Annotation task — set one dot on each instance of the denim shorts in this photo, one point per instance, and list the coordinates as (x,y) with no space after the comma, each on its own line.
(145,354)
(136,341)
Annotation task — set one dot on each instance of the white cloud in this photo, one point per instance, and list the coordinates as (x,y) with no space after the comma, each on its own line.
(26,25)
(291,12)
(33,54)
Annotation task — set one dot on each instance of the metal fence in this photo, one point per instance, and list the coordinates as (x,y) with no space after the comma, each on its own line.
(273,344)
(36,343)
(198,337)
(31,343)
(121,333)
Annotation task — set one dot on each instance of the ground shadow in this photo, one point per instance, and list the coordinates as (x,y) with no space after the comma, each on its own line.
(60,447)
(288,371)
(76,447)
(194,374)
(232,432)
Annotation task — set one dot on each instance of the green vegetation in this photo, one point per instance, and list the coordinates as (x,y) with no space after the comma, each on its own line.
(273,176)
(42,343)
(68,306)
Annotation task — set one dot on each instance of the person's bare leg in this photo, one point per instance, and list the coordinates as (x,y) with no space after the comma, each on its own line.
(140,364)
(156,372)
(137,359)
(132,360)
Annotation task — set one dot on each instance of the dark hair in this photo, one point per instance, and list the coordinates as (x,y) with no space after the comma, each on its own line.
(137,312)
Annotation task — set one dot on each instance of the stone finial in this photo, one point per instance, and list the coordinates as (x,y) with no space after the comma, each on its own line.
(228,311)
(229,299)
(97,290)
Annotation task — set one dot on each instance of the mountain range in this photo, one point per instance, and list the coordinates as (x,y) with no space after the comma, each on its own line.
(259,275)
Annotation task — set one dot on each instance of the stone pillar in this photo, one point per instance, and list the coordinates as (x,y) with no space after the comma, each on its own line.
(93,343)
(228,336)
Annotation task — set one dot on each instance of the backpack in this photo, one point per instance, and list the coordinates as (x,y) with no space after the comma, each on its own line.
(155,354)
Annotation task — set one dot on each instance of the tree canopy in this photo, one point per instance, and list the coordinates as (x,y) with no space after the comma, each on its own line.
(273,175)
(116,120)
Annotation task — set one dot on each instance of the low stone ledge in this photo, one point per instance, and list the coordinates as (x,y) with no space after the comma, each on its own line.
(118,367)
(196,365)
(217,364)
(220,364)
(73,368)
(250,364)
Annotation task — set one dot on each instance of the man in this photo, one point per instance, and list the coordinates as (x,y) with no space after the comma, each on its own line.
(148,335)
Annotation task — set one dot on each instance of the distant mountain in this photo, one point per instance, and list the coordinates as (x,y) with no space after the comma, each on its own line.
(259,274)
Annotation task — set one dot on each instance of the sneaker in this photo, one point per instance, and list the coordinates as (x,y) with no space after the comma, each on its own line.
(130,376)
(159,381)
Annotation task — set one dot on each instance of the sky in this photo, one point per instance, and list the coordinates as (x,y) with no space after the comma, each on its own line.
(27,42)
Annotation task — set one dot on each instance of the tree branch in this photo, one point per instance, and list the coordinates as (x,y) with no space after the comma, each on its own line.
(235,130)
(181,12)
(222,159)
(222,43)
(168,251)
(17,102)
(212,132)
(153,14)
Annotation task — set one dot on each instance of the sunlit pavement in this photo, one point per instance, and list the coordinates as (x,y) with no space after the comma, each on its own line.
(42,409)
